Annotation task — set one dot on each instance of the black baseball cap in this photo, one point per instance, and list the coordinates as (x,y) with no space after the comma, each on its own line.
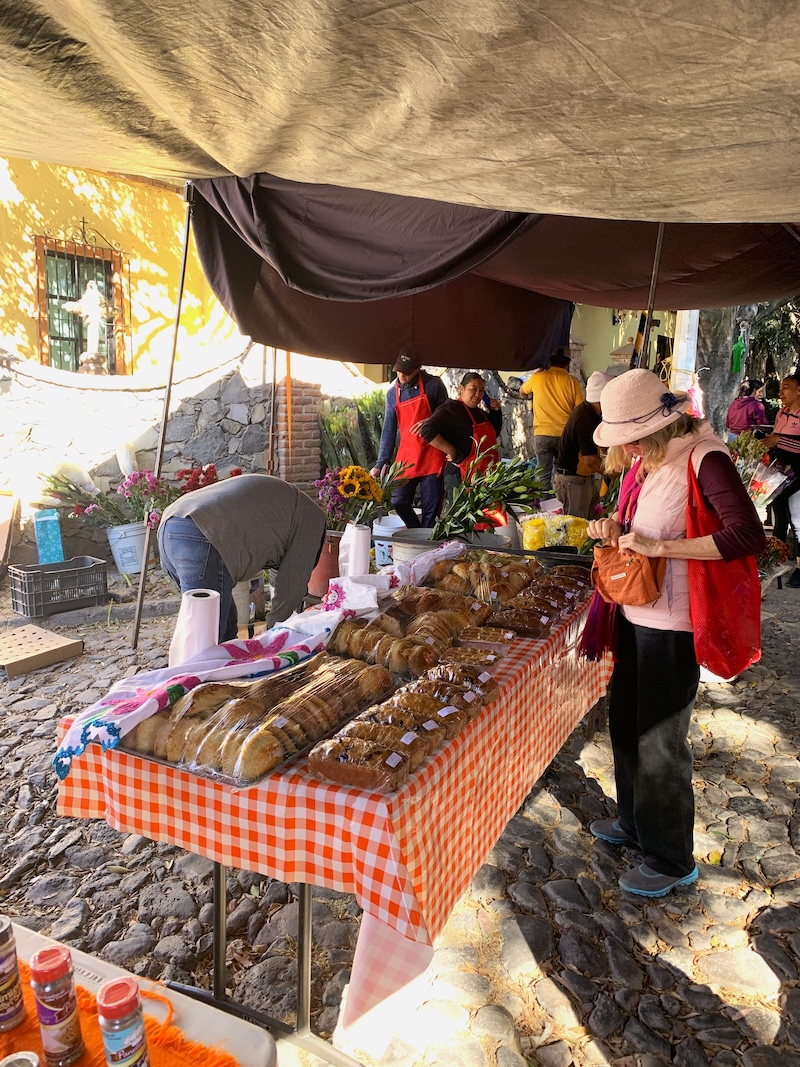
(407,362)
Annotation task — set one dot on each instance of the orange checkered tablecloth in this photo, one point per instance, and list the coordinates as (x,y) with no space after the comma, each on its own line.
(406,856)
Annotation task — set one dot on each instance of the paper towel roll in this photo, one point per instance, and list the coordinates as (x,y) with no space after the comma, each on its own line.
(197,625)
(360,543)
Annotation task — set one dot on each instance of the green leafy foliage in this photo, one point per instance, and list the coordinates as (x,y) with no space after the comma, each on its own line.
(501,487)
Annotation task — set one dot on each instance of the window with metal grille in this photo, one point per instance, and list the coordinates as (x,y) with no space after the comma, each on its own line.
(65,270)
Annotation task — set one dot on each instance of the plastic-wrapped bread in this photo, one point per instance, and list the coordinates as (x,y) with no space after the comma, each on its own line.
(352,761)
(412,742)
(339,642)
(528,600)
(453,719)
(244,711)
(440,569)
(494,638)
(466,675)
(477,657)
(427,723)
(260,752)
(527,622)
(559,598)
(388,623)
(519,578)
(582,575)
(469,700)
(451,583)
(184,736)
(206,697)
(163,731)
(373,683)
(415,702)
(142,738)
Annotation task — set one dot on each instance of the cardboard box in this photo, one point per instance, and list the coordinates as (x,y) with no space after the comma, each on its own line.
(27,648)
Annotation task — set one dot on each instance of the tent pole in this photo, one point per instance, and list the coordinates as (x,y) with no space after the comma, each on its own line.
(188,196)
(651,298)
(271,454)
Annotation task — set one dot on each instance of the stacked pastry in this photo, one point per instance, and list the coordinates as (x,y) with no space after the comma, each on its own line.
(494,578)
(387,742)
(407,644)
(535,609)
(243,732)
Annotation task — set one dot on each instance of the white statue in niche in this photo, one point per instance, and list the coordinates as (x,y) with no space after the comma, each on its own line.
(95,311)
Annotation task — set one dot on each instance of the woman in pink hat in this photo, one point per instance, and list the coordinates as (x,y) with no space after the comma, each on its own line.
(655,679)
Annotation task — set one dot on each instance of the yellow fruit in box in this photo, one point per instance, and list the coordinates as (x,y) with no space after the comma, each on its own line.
(544,531)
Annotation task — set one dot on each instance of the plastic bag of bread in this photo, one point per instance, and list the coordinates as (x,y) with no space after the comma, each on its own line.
(415,601)
(414,702)
(494,638)
(527,622)
(452,583)
(457,696)
(453,719)
(477,657)
(143,737)
(352,761)
(388,622)
(466,675)
(440,569)
(555,595)
(413,742)
(426,723)
(581,575)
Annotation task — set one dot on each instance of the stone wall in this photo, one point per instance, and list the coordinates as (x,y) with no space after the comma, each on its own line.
(221,416)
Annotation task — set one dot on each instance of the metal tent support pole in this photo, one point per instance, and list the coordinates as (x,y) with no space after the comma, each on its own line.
(651,298)
(188,196)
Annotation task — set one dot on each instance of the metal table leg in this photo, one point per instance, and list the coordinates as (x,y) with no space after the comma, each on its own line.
(301,1034)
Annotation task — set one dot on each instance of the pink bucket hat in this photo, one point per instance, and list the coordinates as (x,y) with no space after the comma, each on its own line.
(636,404)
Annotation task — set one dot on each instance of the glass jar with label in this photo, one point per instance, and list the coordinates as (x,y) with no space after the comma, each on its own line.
(119,1012)
(53,987)
(12,1006)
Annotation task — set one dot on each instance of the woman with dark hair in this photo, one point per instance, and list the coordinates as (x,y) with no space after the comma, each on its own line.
(459,427)
(656,673)
(747,410)
(784,446)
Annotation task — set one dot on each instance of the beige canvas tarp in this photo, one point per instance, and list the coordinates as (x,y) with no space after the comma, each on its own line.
(671,110)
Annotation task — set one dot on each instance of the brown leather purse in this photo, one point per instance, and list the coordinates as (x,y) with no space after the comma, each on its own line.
(627,577)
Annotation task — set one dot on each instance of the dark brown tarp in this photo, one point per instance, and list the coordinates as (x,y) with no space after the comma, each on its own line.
(346,273)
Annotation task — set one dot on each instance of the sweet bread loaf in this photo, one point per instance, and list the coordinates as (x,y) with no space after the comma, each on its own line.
(420,658)
(411,742)
(373,683)
(478,657)
(426,722)
(466,675)
(358,763)
(525,622)
(260,752)
(418,702)
(453,719)
(495,638)
(448,693)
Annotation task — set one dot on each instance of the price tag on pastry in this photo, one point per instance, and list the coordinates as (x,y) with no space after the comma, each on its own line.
(444,712)
(393,759)
(409,738)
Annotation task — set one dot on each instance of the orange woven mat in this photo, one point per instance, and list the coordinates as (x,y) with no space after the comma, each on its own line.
(166,1045)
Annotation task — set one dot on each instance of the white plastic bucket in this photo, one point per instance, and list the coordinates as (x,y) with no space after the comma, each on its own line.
(410,543)
(382,533)
(127,546)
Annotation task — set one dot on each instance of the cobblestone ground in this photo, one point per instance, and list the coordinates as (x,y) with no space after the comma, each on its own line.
(544,961)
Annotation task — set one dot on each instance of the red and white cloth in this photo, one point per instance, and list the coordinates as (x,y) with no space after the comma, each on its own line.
(407,856)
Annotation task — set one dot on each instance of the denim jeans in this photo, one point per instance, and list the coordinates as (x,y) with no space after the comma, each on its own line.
(653,689)
(546,448)
(431,493)
(192,562)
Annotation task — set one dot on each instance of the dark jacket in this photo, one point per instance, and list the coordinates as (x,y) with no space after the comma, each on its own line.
(452,421)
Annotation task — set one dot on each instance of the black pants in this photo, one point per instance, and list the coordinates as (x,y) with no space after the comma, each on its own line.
(431,492)
(653,689)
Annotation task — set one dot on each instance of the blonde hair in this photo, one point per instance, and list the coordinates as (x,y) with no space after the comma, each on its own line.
(654,446)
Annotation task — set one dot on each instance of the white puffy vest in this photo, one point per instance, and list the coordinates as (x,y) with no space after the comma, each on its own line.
(661,513)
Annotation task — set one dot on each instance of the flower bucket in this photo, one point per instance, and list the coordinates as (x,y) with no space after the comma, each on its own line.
(327,565)
(127,546)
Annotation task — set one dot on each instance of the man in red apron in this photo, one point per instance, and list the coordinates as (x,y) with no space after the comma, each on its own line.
(410,400)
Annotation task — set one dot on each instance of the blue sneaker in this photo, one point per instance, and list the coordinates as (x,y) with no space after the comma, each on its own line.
(645,882)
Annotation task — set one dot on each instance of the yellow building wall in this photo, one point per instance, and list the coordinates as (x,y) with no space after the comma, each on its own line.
(594,326)
(147,221)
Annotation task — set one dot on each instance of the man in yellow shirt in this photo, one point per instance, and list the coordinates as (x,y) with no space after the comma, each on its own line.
(554,392)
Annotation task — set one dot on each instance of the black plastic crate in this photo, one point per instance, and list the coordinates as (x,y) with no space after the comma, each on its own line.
(50,588)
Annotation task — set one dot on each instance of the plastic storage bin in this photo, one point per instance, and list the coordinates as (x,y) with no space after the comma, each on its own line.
(79,582)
